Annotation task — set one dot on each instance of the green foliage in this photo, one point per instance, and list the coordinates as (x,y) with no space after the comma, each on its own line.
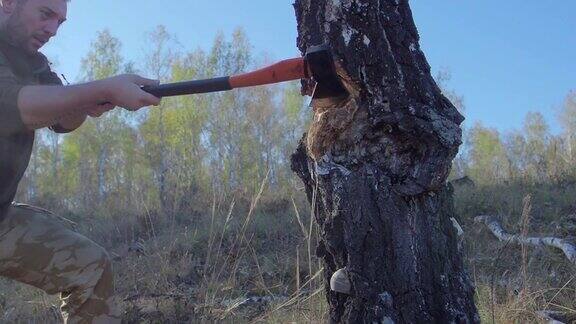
(103,59)
(487,154)
(532,154)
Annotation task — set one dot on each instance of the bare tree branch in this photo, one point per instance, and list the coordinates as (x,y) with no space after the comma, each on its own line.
(568,248)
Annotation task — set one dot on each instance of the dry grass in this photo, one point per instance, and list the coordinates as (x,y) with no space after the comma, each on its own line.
(515,283)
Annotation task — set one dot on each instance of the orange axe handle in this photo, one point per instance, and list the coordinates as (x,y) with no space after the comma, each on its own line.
(292,69)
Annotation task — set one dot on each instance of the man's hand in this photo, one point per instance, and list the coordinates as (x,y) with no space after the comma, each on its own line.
(126,91)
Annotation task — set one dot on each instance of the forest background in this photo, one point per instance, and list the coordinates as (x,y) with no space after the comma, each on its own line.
(197,204)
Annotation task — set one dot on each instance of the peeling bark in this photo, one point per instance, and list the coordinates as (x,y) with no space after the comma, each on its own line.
(378,176)
(566,247)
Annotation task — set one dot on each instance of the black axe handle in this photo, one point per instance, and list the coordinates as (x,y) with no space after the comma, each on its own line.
(292,69)
(189,87)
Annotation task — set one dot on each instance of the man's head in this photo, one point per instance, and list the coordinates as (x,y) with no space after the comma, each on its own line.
(30,24)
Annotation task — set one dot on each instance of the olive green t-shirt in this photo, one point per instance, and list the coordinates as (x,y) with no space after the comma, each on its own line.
(17,69)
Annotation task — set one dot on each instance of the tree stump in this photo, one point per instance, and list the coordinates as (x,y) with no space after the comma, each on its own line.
(375,168)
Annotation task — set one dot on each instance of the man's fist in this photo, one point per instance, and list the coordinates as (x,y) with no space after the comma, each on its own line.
(126,91)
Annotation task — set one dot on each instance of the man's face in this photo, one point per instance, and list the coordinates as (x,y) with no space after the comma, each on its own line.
(32,23)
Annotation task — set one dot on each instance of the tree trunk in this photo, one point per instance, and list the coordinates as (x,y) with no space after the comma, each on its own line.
(102,159)
(375,169)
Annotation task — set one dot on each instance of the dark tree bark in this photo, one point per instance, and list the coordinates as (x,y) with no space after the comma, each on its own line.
(375,169)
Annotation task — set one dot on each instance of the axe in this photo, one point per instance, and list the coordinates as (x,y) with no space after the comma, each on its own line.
(317,65)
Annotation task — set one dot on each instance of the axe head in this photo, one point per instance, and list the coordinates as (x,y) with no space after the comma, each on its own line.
(321,67)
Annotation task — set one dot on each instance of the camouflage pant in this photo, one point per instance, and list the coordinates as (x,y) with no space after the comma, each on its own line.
(37,249)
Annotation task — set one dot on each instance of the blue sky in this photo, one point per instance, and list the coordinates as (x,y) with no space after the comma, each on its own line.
(506,57)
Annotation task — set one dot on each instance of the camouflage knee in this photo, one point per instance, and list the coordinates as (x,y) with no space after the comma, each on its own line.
(90,298)
(38,250)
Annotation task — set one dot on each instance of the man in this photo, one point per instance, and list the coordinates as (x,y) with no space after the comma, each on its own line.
(34,247)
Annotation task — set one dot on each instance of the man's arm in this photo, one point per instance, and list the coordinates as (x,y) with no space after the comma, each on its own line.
(42,106)
(67,125)
(49,77)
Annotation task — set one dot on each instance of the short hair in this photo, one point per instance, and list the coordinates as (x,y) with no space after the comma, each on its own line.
(21,2)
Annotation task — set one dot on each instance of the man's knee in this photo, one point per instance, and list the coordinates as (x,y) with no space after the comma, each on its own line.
(92,268)
(40,251)
(105,286)
(91,284)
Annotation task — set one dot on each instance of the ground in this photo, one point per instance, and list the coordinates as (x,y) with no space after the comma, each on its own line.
(258,265)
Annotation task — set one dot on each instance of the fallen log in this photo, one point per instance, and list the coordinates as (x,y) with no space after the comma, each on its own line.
(555,317)
(568,248)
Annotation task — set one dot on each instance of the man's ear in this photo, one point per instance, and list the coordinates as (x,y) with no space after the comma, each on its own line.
(8,6)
